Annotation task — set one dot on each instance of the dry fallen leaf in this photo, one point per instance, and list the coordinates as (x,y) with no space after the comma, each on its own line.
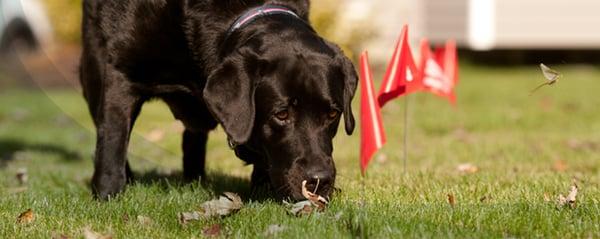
(467,168)
(186,217)
(571,199)
(225,205)
(274,229)
(451,199)
(22,176)
(300,208)
(316,199)
(576,144)
(26,217)
(560,166)
(562,200)
(551,76)
(143,220)
(546,197)
(313,203)
(485,198)
(17,190)
(88,233)
(59,236)
(463,135)
(212,230)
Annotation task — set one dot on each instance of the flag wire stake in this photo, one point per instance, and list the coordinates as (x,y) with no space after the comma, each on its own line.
(405,158)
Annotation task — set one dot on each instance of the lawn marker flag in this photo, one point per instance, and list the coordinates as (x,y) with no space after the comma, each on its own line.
(439,72)
(401,76)
(371,128)
(448,59)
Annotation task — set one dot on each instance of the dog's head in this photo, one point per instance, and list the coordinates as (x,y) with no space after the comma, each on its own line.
(283,96)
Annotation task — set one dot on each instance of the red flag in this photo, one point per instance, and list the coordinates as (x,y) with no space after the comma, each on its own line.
(448,59)
(401,74)
(438,80)
(371,128)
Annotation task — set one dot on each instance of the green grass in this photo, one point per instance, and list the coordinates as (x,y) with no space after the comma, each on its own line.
(515,139)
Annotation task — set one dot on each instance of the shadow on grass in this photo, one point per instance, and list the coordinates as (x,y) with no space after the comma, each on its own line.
(9,147)
(216,183)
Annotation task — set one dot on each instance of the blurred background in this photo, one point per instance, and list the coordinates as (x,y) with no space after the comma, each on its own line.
(501,42)
(41,37)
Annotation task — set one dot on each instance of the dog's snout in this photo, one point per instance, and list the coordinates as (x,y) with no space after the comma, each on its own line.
(319,179)
(323,176)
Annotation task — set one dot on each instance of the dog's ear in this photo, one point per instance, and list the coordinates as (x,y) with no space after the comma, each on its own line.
(229,95)
(350,83)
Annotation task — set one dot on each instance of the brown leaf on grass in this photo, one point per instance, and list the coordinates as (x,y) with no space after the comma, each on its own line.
(212,230)
(59,236)
(467,168)
(17,190)
(561,201)
(451,199)
(547,197)
(463,135)
(571,199)
(26,217)
(125,217)
(22,176)
(485,198)
(578,145)
(225,205)
(273,230)
(560,166)
(314,202)
(186,217)
(145,221)
(88,233)
(300,208)
(316,199)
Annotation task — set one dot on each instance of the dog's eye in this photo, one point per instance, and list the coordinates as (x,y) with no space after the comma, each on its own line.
(282,115)
(333,114)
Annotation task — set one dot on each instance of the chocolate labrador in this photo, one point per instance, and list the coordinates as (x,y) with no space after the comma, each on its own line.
(257,68)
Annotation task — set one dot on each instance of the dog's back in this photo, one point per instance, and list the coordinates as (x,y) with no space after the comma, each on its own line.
(184,52)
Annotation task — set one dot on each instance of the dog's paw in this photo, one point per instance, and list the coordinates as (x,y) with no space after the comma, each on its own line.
(106,187)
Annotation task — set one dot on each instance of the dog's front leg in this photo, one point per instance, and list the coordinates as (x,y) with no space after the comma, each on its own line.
(194,154)
(119,108)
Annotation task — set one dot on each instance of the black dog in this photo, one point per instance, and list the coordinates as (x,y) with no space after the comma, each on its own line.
(255,67)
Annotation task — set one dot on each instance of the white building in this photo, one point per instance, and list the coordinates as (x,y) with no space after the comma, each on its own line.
(483,24)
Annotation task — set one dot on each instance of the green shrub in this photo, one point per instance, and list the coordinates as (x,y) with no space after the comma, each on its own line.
(65,16)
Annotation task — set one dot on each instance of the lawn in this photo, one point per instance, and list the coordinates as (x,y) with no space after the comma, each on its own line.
(528,149)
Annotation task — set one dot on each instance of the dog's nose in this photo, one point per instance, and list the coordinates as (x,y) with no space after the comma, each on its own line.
(319,177)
